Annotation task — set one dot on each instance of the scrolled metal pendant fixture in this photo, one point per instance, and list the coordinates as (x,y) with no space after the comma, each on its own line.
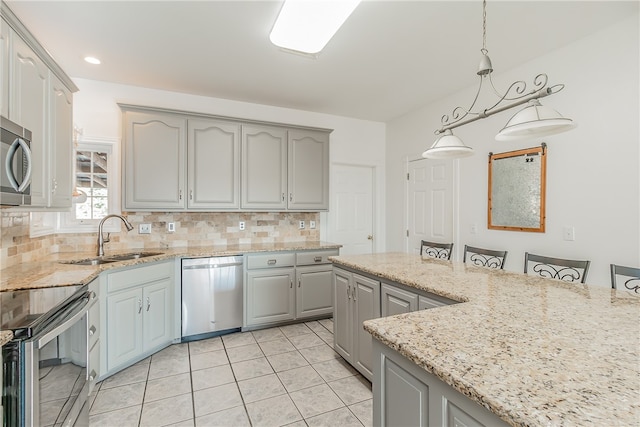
(535,120)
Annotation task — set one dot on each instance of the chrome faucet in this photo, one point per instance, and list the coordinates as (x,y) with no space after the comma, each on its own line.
(101,239)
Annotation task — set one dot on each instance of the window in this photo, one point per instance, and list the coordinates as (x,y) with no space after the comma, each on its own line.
(96,175)
(92,179)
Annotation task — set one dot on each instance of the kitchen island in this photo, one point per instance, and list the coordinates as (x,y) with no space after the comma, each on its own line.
(531,351)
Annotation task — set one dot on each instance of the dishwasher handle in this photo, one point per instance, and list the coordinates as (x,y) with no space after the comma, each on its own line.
(211,263)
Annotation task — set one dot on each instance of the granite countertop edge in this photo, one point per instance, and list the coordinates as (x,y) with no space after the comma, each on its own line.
(55,270)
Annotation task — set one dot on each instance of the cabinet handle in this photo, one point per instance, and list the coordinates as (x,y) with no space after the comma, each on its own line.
(348,292)
(271,262)
(139,306)
(299,280)
(92,375)
(291,197)
(317,259)
(291,284)
(353,293)
(148,303)
(92,330)
(283,197)
(180,195)
(190,194)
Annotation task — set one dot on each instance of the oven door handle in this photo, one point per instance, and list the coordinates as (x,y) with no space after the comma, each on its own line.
(86,301)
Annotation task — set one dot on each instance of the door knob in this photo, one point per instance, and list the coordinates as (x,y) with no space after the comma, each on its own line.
(370,237)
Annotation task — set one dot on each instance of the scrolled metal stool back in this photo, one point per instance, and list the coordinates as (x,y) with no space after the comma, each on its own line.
(436,250)
(631,274)
(557,268)
(484,257)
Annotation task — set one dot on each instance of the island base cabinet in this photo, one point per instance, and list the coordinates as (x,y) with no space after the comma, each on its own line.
(356,299)
(405,394)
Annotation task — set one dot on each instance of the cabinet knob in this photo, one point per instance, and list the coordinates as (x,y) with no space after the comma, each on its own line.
(370,237)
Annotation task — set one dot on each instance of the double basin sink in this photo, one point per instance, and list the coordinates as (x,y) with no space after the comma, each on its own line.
(111,258)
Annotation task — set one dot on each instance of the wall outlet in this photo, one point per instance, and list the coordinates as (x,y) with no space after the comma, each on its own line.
(312,224)
(474,228)
(569,233)
(171,227)
(144,229)
(301,227)
(241,225)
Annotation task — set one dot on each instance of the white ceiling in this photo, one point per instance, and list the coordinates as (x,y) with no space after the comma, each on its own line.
(389,58)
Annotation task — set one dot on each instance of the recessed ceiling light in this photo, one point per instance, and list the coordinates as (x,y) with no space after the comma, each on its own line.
(92,60)
(308,25)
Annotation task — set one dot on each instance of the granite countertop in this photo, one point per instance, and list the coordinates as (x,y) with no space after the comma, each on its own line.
(533,351)
(52,271)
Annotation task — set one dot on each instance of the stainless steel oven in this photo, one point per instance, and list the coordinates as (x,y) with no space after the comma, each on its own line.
(15,164)
(47,374)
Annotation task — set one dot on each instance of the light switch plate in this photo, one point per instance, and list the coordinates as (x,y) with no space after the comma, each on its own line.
(569,233)
(312,224)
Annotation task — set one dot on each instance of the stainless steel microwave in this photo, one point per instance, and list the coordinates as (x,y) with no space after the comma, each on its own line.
(15,164)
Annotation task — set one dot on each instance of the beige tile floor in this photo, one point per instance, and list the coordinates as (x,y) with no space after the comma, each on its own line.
(286,375)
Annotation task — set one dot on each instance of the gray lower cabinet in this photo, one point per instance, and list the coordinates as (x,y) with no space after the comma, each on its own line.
(410,396)
(270,296)
(285,286)
(397,301)
(139,308)
(356,299)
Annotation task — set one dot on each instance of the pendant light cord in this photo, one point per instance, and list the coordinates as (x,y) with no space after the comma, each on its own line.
(484,27)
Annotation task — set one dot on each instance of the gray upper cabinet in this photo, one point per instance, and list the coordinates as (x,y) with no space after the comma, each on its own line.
(264,168)
(28,108)
(213,164)
(61,146)
(175,161)
(308,170)
(155,146)
(37,94)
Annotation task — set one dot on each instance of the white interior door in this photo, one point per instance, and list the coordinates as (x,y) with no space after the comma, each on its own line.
(351,217)
(429,202)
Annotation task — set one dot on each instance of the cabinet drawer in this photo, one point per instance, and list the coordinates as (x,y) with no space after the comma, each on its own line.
(285,259)
(137,276)
(315,257)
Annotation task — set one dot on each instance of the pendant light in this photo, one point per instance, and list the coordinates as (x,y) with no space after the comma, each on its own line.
(533,121)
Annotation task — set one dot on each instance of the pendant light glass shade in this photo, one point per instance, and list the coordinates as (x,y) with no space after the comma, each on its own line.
(448,146)
(534,121)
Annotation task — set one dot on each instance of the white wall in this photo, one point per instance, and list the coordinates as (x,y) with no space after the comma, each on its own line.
(352,141)
(593,177)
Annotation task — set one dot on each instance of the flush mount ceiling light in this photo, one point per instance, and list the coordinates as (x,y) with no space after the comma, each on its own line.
(307,25)
(535,120)
(92,60)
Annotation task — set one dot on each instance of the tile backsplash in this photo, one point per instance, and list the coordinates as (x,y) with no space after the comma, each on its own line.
(191,229)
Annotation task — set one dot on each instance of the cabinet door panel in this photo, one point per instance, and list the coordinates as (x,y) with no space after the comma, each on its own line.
(154,161)
(314,296)
(342,316)
(308,161)
(157,314)
(29,109)
(214,164)
(124,327)
(397,301)
(367,306)
(61,144)
(4,69)
(406,399)
(264,167)
(270,296)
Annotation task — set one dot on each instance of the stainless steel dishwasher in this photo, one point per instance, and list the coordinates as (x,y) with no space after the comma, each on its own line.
(211,296)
